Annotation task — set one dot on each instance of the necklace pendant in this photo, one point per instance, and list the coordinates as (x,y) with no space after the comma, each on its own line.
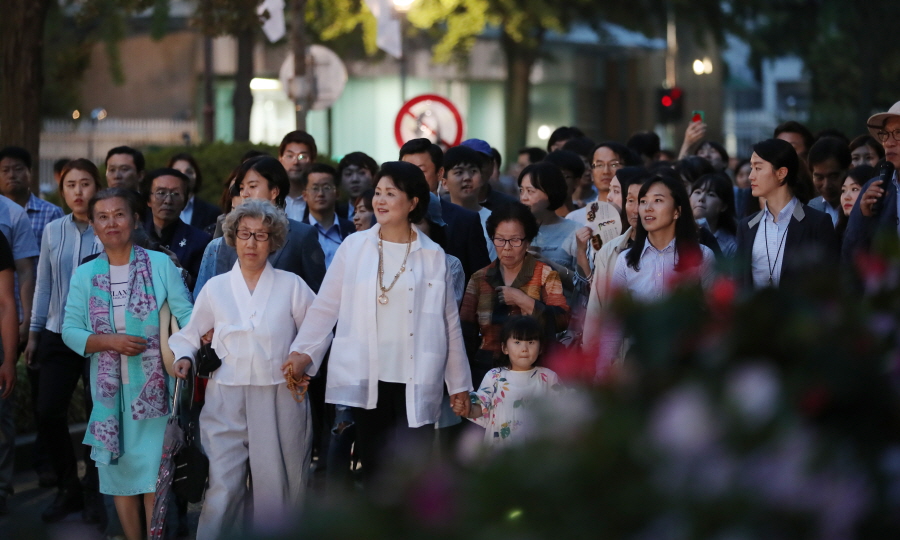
(382,299)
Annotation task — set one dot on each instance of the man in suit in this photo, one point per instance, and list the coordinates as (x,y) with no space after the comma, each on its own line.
(301,253)
(296,152)
(489,198)
(197,212)
(465,239)
(829,161)
(321,198)
(166,192)
(876,209)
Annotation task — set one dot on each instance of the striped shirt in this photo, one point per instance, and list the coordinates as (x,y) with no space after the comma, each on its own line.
(40,213)
(768,246)
(61,254)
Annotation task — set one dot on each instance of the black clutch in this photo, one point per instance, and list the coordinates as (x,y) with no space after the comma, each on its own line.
(207,361)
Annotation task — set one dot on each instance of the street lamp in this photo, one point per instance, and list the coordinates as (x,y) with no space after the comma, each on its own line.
(703,67)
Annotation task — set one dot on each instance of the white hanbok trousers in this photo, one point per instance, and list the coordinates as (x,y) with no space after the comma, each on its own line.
(258,432)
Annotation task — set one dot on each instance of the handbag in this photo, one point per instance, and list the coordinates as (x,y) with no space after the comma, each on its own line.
(207,361)
(191,464)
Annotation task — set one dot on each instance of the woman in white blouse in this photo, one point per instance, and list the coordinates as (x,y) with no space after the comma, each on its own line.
(251,424)
(398,339)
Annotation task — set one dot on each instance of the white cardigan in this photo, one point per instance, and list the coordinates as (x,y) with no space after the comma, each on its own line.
(254,333)
(347,297)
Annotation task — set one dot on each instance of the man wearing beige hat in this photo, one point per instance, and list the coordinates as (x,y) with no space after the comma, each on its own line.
(876,210)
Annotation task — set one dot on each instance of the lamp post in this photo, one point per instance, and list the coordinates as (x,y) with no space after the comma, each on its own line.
(401,7)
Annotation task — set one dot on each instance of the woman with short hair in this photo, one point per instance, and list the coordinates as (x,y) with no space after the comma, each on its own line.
(712,202)
(252,423)
(112,314)
(398,341)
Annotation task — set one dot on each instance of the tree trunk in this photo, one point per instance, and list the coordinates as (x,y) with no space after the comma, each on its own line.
(520,59)
(22,80)
(243,97)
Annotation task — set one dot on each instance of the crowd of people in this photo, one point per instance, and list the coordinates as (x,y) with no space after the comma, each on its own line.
(357,309)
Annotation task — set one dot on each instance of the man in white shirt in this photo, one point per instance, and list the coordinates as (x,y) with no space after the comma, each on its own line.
(296,152)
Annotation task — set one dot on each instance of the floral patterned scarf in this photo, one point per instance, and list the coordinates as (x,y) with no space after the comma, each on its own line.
(146,389)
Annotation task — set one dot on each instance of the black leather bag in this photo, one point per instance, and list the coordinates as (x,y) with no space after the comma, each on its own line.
(207,361)
(191,464)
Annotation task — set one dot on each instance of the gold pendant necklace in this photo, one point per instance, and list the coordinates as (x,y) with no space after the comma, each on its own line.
(383,298)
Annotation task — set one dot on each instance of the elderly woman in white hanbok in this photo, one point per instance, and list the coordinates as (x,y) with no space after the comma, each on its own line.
(251,423)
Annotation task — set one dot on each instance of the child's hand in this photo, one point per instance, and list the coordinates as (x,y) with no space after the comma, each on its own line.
(460,404)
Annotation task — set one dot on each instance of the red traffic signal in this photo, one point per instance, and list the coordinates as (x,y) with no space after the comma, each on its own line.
(670,106)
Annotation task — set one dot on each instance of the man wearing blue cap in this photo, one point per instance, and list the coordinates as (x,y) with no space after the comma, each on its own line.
(490,198)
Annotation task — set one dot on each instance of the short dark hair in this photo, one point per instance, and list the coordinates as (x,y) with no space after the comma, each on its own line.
(862,174)
(548,178)
(829,148)
(645,143)
(495,155)
(717,147)
(16,152)
(269,168)
(135,154)
(299,137)
(721,185)
(184,156)
(567,161)
(319,168)
(147,181)
(563,133)
(535,154)
(792,126)
(832,132)
(411,180)
(691,168)
(582,146)
(80,164)
(625,154)
(250,154)
(867,140)
(524,328)
(60,164)
(130,197)
(513,211)
(357,159)
(423,146)
(366,199)
(462,155)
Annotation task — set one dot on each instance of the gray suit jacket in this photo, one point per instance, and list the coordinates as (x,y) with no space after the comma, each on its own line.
(301,255)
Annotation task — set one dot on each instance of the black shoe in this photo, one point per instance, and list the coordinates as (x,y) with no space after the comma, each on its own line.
(3,509)
(94,511)
(66,502)
(47,479)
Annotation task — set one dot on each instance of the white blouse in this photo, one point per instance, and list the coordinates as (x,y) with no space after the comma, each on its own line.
(254,333)
(348,297)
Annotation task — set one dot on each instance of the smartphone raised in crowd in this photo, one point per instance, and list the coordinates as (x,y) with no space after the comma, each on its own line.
(698,116)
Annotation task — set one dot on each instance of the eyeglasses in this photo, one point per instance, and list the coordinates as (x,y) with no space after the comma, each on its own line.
(513,242)
(244,234)
(297,157)
(883,135)
(162,195)
(17,170)
(326,189)
(611,166)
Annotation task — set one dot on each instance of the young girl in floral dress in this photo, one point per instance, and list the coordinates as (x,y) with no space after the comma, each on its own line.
(503,401)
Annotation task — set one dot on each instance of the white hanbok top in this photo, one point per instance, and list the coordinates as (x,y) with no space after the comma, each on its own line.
(254,333)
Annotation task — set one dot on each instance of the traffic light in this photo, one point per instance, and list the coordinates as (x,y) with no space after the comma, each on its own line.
(669,105)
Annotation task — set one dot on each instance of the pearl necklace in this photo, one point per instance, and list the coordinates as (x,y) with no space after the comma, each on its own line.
(382,298)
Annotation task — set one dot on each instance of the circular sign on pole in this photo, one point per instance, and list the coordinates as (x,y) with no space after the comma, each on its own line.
(432,117)
(327,75)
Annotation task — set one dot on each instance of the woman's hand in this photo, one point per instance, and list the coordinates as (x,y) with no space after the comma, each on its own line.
(206,338)
(182,368)
(125,344)
(512,296)
(31,348)
(461,404)
(692,135)
(299,362)
(582,237)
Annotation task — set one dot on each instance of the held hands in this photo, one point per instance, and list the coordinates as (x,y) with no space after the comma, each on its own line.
(299,362)
(182,367)
(870,197)
(206,338)
(461,404)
